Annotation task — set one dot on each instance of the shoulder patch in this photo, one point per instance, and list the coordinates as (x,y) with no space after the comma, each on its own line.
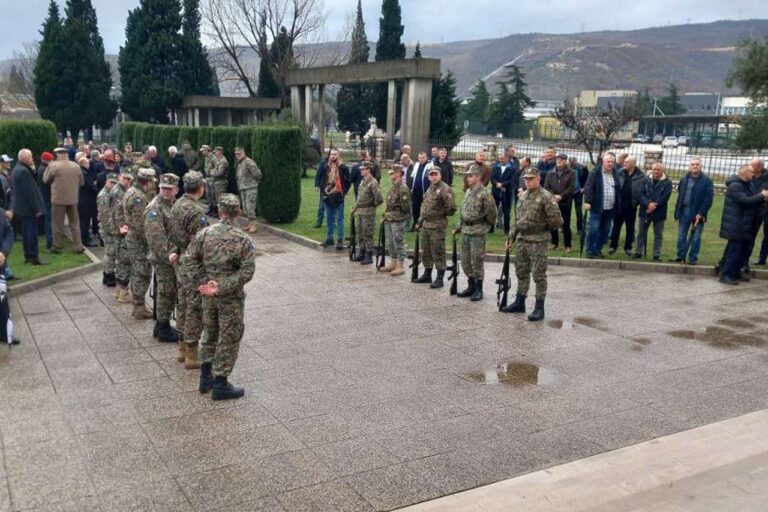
(203,221)
(151,215)
(137,200)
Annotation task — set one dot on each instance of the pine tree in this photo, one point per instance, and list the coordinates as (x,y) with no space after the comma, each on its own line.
(389,47)
(197,74)
(417,51)
(151,60)
(50,81)
(670,104)
(444,119)
(511,100)
(353,102)
(477,108)
(282,60)
(268,87)
(360,49)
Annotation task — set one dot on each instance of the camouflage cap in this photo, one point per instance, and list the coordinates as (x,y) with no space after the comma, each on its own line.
(229,203)
(365,164)
(137,154)
(126,172)
(219,148)
(147,173)
(473,169)
(434,170)
(397,168)
(193,179)
(111,176)
(531,172)
(238,149)
(143,164)
(169,180)
(205,147)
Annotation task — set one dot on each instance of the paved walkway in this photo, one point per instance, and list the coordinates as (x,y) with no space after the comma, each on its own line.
(364,392)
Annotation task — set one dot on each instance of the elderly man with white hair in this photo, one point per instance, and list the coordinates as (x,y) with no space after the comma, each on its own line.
(694,199)
(179,167)
(27,204)
(156,160)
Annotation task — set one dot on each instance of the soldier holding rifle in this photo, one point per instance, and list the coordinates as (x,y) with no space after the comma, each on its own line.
(437,205)
(396,215)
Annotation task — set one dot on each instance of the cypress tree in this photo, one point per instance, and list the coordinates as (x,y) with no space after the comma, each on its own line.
(417,51)
(477,107)
(353,103)
(197,74)
(49,78)
(268,87)
(444,122)
(388,47)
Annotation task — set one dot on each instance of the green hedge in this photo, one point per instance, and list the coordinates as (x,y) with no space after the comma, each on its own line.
(191,134)
(125,133)
(37,136)
(245,138)
(277,150)
(226,137)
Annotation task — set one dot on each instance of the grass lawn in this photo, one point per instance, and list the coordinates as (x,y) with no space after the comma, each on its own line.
(56,262)
(711,248)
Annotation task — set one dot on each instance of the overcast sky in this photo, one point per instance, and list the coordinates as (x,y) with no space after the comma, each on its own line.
(433,21)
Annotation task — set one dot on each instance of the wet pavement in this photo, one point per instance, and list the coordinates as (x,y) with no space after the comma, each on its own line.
(364,391)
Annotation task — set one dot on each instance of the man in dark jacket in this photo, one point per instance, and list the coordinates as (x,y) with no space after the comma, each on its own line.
(602,195)
(28,204)
(581,175)
(560,182)
(45,190)
(86,204)
(178,167)
(158,164)
(418,183)
(653,210)
(694,199)
(742,205)
(445,165)
(546,163)
(332,181)
(632,187)
(504,180)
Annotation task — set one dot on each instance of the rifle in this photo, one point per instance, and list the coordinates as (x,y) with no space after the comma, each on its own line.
(503,282)
(153,295)
(381,259)
(352,238)
(454,269)
(583,234)
(416,259)
(689,242)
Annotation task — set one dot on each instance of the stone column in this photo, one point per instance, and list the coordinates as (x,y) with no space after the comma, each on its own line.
(297,103)
(197,118)
(417,107)
(229,117)
(405,115)
(210,117)
(391,108)
(321,116)
(308,103)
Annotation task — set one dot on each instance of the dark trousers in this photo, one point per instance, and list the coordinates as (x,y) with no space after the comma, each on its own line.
(578,203)
(503,205)
(29,237)
(736,255)
(87,214)
(416,205)
(764,246)
(627,217)
(565,211)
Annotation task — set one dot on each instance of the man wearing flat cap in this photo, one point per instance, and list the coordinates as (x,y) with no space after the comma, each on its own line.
(65,179)
(157,229)
(560,182)
(438,204)
(395,219)
(134,202)
(368,199)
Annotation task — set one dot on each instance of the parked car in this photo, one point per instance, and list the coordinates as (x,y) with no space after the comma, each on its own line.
(669,142)
(658,138)
(683,140)
(642,139)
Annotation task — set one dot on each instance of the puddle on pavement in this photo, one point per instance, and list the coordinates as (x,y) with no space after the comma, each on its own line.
(588,322)
(736,322)
(516,374)
(720,337)
(560,324)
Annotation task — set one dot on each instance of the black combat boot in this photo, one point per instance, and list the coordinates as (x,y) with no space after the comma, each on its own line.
(166,333)
(156,330)
(438,282)
(538,311)
(206,378)
(470,290)
(368,258)
(104,278)
(478,294)
(426,277)
(223,390)
(516,307)
(359,255)
(111,280)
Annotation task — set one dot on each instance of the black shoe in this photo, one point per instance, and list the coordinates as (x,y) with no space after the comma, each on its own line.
(359,255)
(636,256)
(760,262)
(678,260)
(91,243)
(744,278)
(15,341)
(111,280)
(727,280)
(426,277)
(591,257)
(327,243)
(36,261)
(693,263)
(516,307)
(318,224)
(438,282)
(223,390)
(657,258)
(611,251)
(538,311)
(478,294)
(103,277)
(368,259)
(627,253)
(206,378)
(340,245)
(600,255)
(469,291)
(166,333)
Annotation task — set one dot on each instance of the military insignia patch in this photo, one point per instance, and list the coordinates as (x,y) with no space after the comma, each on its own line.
(151,215)
(136,200)
(203,221)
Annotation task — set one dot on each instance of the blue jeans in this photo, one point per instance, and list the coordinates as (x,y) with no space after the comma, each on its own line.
(29,237)
(335,215)
(321,210)
(687,218)
(599,230)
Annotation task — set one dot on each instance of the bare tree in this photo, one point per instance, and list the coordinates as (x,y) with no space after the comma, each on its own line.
(595,129)
(24,60)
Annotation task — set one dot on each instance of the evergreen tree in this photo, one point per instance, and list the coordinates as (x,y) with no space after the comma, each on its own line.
(417,51)
(49,79)
(670,104)
(150,61)
(444,118)
(268,87)
(750,70)
(282,59)
(389,47)
(511,101)
(197,74)
(477,107)
(353,102)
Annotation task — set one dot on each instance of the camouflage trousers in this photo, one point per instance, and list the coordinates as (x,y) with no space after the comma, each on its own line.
(248,201)
(365,224)
(165,294)
(531,258)
(432,243)
(122,260)
(141,269)
(110,252)
(219,187)
(189,313)
(223,320)
(473,255)
(395,233)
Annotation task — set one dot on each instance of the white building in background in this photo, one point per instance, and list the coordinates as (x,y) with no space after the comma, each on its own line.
(735,105)
(594,99)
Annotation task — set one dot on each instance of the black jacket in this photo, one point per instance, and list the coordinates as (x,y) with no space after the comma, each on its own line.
(27,199)
(701,198)
(638,180)
(593,191)
(508,178)
(89,190)
(742,204)
(179,167)
(346,182)
(446,170)
(45,188)
(657,192)
(6,237)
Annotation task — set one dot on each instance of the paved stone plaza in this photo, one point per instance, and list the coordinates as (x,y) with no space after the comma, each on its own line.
(363,391)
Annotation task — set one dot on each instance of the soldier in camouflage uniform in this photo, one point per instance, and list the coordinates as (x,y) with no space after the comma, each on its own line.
(122,256)
(537,215)
(221,260)
(187,218)
(134,202)
(478,216)
(395,219)
(190,156)
(437,205)
(157,230)
(104,214)
(368,198)
(219,174)
(248,179)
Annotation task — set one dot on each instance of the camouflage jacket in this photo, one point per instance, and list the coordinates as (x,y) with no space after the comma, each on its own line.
(116,199)
(157,230)
(437,205)
(187,218)
(191,157)
(248,174)
(478,212)
(224,253)
(104,212)
(220,168)
(134,202)
(368,196)
(537,215)
(398,203)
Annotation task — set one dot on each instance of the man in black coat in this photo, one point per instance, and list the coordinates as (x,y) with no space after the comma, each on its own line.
(742,204)
(28,204)
(602,195)
(86,206)
(178,167)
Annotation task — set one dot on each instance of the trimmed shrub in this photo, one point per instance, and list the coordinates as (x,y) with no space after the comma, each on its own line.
(191,134)
(244,139)
(125,133)
(37,136)
(278,150)
(226,137)
(204,136)
(138,137)
(147,136)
